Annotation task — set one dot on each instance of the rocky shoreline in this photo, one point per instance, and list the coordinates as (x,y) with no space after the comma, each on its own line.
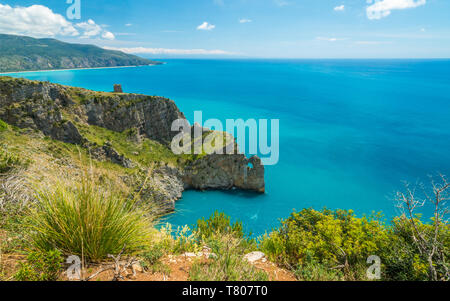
(61,112)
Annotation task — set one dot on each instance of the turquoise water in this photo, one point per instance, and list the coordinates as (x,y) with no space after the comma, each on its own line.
(350,130)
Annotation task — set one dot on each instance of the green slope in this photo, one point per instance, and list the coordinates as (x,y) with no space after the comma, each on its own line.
(19,53)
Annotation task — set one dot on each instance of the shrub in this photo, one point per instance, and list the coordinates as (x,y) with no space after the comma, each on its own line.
(218,224)
(154,254)
(227,264)
(333,239)
(178,241)
(229,244)
(41,266)
(151,260)
(401,259)
(87,221)
(209,230)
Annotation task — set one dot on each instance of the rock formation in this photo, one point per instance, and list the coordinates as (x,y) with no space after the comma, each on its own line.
(59,111)
(225,172)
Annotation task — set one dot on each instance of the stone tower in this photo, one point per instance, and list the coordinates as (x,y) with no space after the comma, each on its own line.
(118,88)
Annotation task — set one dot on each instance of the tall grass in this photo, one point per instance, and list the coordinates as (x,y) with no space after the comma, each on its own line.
(88,221)
(8,161)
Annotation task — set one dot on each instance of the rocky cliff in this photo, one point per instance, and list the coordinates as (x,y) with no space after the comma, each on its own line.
(134,123)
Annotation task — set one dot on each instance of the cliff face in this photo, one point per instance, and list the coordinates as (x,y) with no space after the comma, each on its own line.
(65,113)
(225,172)
(40,105)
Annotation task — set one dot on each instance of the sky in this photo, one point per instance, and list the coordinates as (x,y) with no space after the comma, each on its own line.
(241,28)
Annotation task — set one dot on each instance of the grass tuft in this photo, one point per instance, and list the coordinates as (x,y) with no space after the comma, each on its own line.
(88,221)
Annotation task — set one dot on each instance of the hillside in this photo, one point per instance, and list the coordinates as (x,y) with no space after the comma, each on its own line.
(19,53)
(131,131)
(89,174)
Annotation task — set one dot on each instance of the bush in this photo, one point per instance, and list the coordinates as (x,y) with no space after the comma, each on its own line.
(153,255)
(401,259)
(178,241)
(41,266)
(227,264)
(329,238)
(229,244)
(88,221)
(218,224)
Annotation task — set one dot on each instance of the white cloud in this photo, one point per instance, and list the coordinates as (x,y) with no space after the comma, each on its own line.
(206,26)
(36,21)
(245,21)
(40,21)
(91,29)
(340,8)
(143,50)
(128,24)
(108,35)
(328,39)
(382,8)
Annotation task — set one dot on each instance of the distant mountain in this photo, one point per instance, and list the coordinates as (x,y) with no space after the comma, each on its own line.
(19,53)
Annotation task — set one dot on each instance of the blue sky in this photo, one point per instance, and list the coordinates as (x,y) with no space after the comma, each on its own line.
(243,28)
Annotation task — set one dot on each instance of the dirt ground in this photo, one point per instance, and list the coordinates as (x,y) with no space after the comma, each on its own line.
(170,268)
(175,268)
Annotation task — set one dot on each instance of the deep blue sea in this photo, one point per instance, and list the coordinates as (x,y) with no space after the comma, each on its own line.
(350,130)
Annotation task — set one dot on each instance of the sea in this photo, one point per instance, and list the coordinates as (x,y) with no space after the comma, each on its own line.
(351,132)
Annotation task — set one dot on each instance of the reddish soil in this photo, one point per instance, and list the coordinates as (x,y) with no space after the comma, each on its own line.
(179,267)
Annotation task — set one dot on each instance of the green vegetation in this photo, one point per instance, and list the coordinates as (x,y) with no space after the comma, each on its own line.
(51,207)
(328,238)
(335,245)
(87,221)
(216,225)
(19,53)
(229,244)
(9,161)
(146,153)
(3,125)
(41,266)
(228,263)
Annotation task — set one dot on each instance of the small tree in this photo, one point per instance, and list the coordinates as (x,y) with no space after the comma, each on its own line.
(430,241)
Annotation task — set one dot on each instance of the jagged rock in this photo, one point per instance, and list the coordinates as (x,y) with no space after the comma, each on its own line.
(66,132)
(151,116)
(166,188)
(225,172)
(38,106)
(254,256)
(107,152)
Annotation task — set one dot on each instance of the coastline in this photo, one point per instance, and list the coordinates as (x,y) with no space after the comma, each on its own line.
(74,69)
